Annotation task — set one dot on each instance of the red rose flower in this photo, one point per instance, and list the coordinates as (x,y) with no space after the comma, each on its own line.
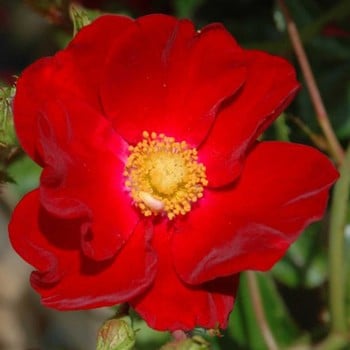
(154,190)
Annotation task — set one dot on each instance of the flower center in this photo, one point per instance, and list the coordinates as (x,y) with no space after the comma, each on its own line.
(164,176)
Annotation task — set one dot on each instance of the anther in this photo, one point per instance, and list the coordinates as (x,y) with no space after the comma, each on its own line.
(164,176)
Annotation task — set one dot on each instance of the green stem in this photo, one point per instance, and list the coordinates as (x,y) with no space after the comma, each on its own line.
(321,113)
(336,248)
(333,342)
(260,312)
(338,12)
(281,128)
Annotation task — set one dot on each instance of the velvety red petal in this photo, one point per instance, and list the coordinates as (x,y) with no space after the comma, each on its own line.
(270,86)
(74,72)
(165,77)
(83,175)
(170,304)
(249,226)
(65,278)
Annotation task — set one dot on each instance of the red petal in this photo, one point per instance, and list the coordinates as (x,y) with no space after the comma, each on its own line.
(283,188)
(271,85)
(165,77)
(73,72)
(64,277)
(83,176)
(171,305)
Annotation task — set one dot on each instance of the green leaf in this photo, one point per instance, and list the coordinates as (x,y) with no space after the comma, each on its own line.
(81,16)
(148,338)
(332,79)
(308,25)
(26,174)
(5,177)
(7,133)
(244,332)
(186,8)
(281,128)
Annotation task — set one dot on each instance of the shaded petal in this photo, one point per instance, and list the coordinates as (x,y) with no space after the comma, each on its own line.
(83,176)
(270,86)
(283,188)
(65,279)
(165,77)
(170,304)
(72,73)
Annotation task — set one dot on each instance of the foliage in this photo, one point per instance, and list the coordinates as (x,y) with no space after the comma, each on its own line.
(295,294)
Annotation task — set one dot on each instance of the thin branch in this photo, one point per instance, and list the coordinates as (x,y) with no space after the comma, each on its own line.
(318,140)
(320,110)
(259,311)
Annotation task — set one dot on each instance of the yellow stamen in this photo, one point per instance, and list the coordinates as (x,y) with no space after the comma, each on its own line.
(164,176)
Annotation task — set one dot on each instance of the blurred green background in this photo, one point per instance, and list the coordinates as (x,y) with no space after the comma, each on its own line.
(295,292)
